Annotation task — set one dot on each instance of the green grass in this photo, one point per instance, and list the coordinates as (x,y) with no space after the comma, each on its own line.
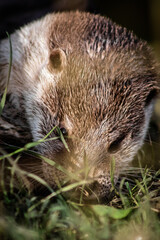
(61,219)
(131,214)
(3,100)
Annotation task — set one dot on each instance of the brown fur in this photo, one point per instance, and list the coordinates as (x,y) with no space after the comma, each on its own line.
(92,77)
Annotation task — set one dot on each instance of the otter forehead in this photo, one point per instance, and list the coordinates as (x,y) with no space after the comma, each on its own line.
(75,29)
(96,89)
(93,71)
(101,53)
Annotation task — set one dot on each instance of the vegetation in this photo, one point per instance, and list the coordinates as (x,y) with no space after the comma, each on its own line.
(131,213)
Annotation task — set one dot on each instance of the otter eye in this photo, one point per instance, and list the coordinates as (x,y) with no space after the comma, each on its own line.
(150,97)
(115,145)
(64,131)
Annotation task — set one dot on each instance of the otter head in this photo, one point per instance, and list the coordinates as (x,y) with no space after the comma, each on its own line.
(98,87)
(102,107)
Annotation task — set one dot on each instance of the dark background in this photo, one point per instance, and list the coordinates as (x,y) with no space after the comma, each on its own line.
(141,16)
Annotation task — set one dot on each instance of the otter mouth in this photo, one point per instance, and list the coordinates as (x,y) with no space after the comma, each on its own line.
(76,186)
(94,192)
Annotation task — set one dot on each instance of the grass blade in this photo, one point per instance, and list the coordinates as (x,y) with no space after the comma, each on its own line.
(3,100)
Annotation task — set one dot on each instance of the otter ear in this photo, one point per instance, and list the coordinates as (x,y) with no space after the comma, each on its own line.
(57,60)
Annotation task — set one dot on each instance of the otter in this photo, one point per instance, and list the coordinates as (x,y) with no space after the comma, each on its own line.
(93,79)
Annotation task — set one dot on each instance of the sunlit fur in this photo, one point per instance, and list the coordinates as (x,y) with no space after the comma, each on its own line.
(97,91)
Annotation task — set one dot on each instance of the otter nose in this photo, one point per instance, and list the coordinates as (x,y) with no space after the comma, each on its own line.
(93,192)
(100,187)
